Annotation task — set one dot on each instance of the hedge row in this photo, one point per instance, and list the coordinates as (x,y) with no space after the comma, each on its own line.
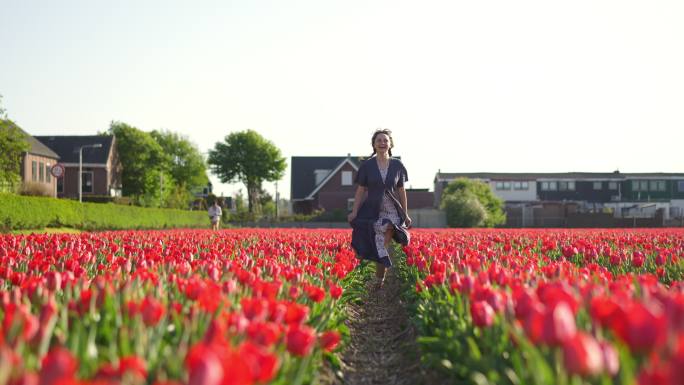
(24,212)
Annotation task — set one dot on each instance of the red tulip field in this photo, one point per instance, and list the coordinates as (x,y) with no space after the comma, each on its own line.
(272,306)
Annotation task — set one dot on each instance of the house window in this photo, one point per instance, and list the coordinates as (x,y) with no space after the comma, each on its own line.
(525,185)
(34,170)
(545,186)
(553,186)
(350,204)
(653,185)
(499,185)
(60,185)
(680,185)
(643,185)
(47,173)
(41,172)
(87,181)
(507,185)
(661,185)
(612,185)
(598,185)
(346,178)
(517,186)
(562,186)
(571,185)
(320,175)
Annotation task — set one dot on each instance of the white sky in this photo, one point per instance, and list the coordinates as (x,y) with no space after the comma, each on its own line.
(466,86)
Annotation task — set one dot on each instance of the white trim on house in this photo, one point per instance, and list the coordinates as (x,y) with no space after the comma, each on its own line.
(324,181)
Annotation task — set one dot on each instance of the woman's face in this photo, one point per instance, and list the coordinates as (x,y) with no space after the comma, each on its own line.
(381,143)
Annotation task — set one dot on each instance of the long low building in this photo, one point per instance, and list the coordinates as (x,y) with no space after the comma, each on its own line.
(625,195)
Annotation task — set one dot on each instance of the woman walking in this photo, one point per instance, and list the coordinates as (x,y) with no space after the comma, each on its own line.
(383,215)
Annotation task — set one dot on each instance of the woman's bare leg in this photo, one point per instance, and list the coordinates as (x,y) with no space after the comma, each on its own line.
(379,271)
(379,267)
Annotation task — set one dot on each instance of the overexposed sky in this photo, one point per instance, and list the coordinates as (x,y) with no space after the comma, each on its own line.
(466,86)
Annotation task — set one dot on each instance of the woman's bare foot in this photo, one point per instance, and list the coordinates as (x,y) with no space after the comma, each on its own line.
(378,282)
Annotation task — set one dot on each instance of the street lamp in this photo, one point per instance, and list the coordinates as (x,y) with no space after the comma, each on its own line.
(80,167)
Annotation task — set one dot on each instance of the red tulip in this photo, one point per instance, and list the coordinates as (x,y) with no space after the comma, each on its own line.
(638,259)
(335,291)
(558,324)
(300,339)
(132,365)
(263,365)
(481,313)
(204,366)
(315,293)
(582,355)
(152,311)
(329,340)
(54,280)
(58,365)
(296,313)
(611,361)
(263,333)
(644,329)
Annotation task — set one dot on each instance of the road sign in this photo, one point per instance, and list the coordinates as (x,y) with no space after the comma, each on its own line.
(57,170)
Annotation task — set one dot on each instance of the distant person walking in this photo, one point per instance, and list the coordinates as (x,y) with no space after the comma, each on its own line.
(383,215)
(215,215)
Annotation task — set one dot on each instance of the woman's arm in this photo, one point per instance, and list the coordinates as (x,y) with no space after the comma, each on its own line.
(404,203)
(358,196)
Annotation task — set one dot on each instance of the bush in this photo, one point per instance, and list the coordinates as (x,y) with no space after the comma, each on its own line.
(35,189)
(98,198)
(21,212)
(482,193)
(463,210)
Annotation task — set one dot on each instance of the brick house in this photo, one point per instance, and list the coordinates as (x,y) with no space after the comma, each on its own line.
(102,167)
(327,183)
(36,164)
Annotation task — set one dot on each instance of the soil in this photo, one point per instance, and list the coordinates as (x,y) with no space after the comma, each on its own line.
(383,347)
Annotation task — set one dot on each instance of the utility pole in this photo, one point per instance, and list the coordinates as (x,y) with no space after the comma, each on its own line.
(277,199)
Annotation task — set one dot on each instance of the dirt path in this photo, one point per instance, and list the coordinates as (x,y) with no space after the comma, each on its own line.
(383,348)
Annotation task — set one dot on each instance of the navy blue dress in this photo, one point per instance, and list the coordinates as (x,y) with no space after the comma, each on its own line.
(364,225)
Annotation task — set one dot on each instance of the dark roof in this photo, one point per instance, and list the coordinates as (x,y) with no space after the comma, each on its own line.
(67,147)
(303,167)
(556,175)
(37,148)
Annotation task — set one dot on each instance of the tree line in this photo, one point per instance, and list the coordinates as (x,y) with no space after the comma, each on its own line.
(162,168)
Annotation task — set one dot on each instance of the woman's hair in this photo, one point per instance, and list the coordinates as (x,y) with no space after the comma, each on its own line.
(387,132)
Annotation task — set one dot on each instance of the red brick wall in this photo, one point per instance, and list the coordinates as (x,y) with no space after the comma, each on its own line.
(27,170)
(420,199)
(100,183)
(333,195)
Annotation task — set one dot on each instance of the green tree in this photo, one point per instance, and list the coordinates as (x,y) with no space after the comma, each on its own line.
(464,199)
(267,204)
(463,210)
(248,157)
(145,165)
(12,144)
(187,165)
(3,112)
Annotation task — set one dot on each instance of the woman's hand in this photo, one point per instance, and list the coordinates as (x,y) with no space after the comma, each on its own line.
(408,221)
(351,217)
